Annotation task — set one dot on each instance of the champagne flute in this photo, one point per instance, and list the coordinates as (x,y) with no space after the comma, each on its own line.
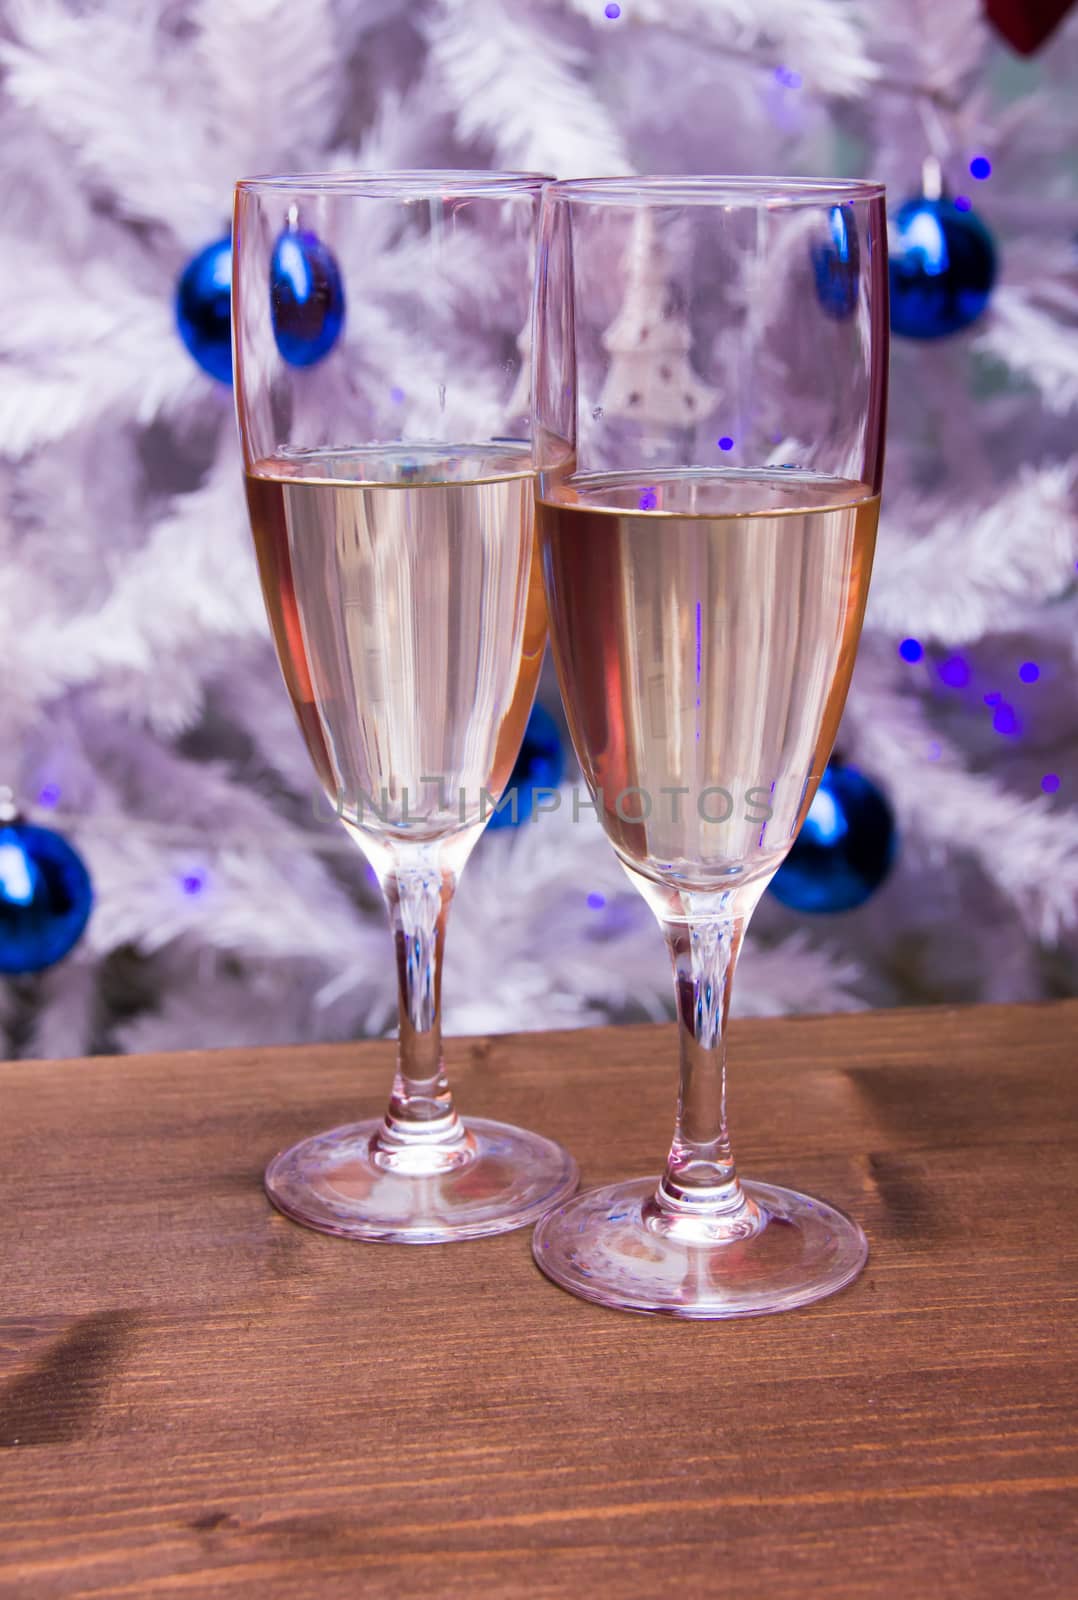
(709,393)
(381,332)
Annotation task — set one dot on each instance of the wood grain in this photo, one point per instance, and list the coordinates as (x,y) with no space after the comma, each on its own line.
(198,1398)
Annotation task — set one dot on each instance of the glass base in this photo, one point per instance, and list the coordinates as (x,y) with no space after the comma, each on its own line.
(613,1246)
(348,1182)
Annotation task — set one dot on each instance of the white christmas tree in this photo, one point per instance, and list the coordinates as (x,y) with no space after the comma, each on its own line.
(142,715)
(650,378)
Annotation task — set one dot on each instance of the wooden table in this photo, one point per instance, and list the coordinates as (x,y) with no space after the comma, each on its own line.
(198,1398)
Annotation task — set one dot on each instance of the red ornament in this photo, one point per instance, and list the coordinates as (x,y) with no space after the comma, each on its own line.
(1026,24)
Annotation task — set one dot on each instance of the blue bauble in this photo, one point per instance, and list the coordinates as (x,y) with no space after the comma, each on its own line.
(845,847)
(45,897)
(837,265)
(540,765)
(943,267)
(306,298)
(204,308)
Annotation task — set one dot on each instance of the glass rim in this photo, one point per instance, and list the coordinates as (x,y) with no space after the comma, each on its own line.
(413,184)
(705,189)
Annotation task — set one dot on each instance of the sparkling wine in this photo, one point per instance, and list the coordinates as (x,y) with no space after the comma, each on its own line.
(404,593)
(704,625)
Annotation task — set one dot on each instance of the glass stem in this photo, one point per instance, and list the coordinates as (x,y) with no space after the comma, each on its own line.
(421,1114)
(699,1194)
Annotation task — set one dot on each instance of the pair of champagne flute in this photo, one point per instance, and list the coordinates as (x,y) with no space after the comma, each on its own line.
(691,499)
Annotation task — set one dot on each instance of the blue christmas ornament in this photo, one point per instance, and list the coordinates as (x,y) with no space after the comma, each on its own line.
(204,308)
(943,267)
(845,847)
(540,765)
(45,897)
(837,265)
(306,297)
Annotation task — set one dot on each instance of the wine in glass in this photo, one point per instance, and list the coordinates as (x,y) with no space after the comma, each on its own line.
(711,360)
(390,483)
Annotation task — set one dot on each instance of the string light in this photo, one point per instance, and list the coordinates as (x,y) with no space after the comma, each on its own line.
(911,650)
(954,672)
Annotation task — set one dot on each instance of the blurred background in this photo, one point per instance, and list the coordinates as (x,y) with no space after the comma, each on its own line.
(168,876)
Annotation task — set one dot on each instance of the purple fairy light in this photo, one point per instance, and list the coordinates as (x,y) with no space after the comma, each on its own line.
(648,500)
(954,672)
(596,902)
(612,12)
(788,78)
(48,795)
(1005,721)
(725,443)
(911,650)
(980,168)
(1029,672)
(962,202)
(1050,782)
(193,882)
